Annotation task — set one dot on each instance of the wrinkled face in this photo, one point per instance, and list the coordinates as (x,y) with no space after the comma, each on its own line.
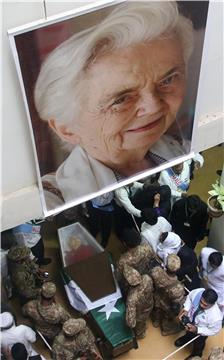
(74,243)
(132,97)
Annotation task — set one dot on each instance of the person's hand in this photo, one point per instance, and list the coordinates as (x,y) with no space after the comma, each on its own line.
(7,353)
(43,275)
(192,328)
(182,313)
(156,200)
(197,165)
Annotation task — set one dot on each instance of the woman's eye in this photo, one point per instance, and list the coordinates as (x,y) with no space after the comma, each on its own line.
(170,80)
(120,100)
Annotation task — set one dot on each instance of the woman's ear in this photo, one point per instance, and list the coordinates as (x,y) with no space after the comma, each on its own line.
(64,132)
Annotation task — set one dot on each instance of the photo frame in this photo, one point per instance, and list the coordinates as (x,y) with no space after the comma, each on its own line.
(74,168)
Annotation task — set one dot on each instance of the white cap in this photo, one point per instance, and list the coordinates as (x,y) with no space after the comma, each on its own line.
(6,320)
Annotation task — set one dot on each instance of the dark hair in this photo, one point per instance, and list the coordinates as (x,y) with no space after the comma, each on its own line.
(19,352)
(165,192)
(154,188)
(193,202)
(163,236)
(131,237)
(149,216)
(195,205)
(7,239)
(215,259)
(210,296)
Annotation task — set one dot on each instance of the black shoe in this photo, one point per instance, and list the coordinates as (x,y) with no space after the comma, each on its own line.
(45,261)
(180,341)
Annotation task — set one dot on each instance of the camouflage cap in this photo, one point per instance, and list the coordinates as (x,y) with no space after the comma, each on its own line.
(131,275)
(18,252)
(176,293)
(48,289)
(147,249)
(173,263)
(72,327)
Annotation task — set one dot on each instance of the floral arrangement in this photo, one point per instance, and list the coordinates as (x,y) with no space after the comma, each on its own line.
(218,192)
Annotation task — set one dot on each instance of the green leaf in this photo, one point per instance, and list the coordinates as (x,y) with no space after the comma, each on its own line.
(213,192)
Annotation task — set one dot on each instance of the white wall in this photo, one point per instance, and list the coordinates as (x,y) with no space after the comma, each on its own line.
(210,100)
(20,196)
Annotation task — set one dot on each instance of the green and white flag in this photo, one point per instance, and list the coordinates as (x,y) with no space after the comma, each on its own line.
(80,301)
(111,320)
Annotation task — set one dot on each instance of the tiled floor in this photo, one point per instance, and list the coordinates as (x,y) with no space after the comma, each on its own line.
(154,346)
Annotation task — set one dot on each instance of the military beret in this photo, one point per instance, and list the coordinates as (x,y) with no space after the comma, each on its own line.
(18,252)
(48,289)
(131,275)
(72,327)
(173,263)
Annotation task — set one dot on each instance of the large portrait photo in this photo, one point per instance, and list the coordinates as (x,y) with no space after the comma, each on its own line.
(110,92)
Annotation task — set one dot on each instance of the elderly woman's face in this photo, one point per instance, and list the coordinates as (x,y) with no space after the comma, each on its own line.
(132,96)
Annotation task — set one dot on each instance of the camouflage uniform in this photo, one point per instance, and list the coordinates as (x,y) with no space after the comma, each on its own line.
(139,258)
(23,272)
(74,341)
(216,353)
(48,319)
(168,296)
(139,301)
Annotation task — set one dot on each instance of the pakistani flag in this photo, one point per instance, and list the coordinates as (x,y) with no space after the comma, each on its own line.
(78,298)
(73,295)
(111,320)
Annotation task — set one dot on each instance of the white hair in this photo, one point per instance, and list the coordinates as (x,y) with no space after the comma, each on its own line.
(59,84)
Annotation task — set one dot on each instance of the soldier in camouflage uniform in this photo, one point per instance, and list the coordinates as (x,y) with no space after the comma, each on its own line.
(24,272)
(216,353)
(74,341)
(169,296)
(47,316)
(139,258)
(139,303)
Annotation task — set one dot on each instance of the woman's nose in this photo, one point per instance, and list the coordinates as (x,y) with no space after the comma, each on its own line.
(149,103)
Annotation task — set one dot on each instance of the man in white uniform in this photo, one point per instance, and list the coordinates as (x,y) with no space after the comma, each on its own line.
(125,211)
(12,334)
(123,197)
(200,316)
(178,177)
(212,269)
(169,243)
(152,227)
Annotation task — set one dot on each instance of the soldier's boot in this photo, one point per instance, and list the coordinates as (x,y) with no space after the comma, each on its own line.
(169,326)
(140,329)
(156,317)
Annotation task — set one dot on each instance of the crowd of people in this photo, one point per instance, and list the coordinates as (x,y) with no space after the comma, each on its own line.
(160,276)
